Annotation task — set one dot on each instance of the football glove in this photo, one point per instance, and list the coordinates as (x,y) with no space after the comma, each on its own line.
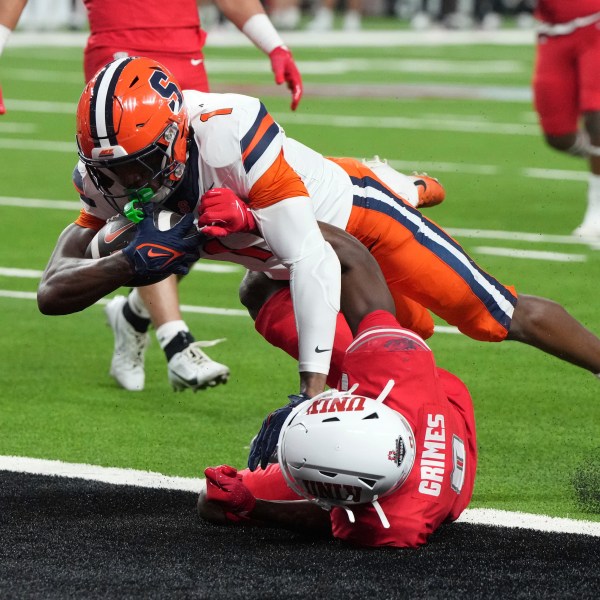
(284,68)
(224,487)
(153,251)
(222,213)
(2,107)
(264,444)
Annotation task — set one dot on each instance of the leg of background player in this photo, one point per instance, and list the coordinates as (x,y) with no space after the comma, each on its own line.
(188,365)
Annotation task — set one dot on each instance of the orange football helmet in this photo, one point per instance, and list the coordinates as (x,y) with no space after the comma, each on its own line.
(132,129)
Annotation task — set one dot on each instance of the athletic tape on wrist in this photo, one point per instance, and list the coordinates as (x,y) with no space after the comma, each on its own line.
(259,29)
(4,34)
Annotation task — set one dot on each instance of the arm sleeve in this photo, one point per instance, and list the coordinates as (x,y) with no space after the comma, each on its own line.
(291,231)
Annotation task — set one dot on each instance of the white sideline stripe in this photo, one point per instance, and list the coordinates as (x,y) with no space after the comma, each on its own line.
(530,254)
(505,518)
(57,468)
(148,479)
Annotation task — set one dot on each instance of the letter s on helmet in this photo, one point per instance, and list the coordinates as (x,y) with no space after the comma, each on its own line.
(132,128)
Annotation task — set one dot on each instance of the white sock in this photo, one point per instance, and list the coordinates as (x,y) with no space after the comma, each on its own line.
(137,305)
(167,331)
(592,213)
(581,146)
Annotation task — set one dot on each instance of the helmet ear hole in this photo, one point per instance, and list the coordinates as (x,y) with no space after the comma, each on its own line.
(331,420)
(328,474)
(368,482)
(371,416)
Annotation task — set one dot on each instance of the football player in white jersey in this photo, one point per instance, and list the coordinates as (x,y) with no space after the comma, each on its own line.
(141,138)
(134,135)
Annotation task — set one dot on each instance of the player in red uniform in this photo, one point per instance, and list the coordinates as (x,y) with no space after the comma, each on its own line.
(170,33)
(423,479)
(10,11)
(567,89)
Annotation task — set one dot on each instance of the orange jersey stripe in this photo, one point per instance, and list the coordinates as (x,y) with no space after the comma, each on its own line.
(279,182)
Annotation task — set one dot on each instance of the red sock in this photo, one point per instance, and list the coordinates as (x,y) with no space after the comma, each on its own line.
(276,323)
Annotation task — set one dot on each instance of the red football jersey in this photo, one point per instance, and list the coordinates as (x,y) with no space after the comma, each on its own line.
(440,411)
(110,15)
(145,26)
(562,11)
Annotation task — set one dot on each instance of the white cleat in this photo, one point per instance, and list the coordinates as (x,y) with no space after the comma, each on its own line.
(352,21)
(588,231)
(322,21)
(127,365)
(192,368)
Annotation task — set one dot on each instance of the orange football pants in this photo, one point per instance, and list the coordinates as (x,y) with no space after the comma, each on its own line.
(425,269)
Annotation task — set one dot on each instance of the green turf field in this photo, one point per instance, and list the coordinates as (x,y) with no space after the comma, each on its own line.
(461,113)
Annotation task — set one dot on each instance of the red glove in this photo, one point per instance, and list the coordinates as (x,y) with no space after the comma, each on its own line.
(224,487)
(222,213)
(2,107)
(285,69)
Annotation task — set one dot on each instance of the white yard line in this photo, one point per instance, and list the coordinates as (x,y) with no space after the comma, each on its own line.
(186,308)
(206,310)
(148,479)
(391,37)
(530,254)
(489,234)
(429,123)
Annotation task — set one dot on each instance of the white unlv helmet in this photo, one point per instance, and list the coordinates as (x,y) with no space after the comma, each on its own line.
(343,449)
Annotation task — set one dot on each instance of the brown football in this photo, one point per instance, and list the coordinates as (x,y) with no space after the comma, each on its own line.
(119,231)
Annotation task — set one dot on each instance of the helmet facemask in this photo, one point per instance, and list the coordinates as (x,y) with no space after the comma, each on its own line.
(123,176)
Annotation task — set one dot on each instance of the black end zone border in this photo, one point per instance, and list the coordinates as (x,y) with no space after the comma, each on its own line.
(72,538)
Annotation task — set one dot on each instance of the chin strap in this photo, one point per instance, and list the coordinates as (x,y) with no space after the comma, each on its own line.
(385,391)
(380,513)
(350,515)
(378,510)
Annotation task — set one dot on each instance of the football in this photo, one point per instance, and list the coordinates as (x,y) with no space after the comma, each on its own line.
(118,233)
